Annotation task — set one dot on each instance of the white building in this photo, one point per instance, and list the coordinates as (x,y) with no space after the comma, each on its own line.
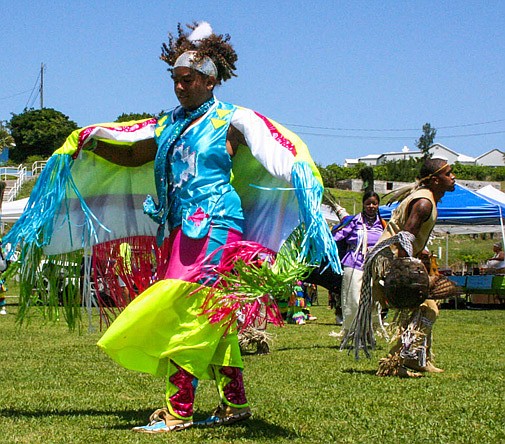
(491,158)
(371,159)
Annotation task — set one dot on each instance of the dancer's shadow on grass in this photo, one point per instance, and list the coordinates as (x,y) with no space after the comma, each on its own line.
(253,428)
(355,371)
(303,347)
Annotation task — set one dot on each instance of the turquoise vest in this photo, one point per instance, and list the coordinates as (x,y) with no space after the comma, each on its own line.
(200,193)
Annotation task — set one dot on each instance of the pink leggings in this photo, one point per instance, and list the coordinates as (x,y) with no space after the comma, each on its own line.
(187,254)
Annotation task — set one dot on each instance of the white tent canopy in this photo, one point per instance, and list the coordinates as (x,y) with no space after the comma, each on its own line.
(11,211)
(329,215)
(491,192)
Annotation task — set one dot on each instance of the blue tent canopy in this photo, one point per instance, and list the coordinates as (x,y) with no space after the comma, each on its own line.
(461,207)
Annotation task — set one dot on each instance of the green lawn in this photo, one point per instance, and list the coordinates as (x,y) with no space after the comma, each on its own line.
(58,387)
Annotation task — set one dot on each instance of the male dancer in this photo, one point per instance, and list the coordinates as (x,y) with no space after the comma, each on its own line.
(417,215)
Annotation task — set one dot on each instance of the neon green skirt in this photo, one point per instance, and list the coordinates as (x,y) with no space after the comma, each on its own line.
(165,323)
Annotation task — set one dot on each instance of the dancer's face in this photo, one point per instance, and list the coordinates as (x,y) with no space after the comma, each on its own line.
(445,180)
(371,206)
(191,87)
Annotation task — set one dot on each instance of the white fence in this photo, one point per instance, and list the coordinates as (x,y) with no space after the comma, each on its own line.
(22,174)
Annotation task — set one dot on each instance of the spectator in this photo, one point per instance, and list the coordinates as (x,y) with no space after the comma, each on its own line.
(359,233)
(498,259)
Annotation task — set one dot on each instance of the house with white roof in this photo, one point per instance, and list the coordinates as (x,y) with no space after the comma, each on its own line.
(439,150)
(491,158)
(404,154)
(370,159)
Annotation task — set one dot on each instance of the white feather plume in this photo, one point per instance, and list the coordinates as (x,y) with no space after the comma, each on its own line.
(202,31)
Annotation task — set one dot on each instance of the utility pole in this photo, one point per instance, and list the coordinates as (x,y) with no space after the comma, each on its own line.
(41,90)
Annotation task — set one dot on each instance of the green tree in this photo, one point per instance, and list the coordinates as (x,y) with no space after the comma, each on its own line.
(6,140)
(402,170)
(426,140)
(333,173)
(326,176)
(38,132)
(367,176)
(127,117)
(478,172)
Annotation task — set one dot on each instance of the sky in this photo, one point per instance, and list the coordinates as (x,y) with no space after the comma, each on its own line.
(351,78)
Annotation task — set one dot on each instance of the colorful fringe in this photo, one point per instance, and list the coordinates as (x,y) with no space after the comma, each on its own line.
(318,244)
(246,286)
(250,282)
(137,261)
(361,334)
(36,224)
(49,286)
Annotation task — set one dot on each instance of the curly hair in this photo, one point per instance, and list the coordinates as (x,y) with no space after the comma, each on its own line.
(430,168)
(215,46)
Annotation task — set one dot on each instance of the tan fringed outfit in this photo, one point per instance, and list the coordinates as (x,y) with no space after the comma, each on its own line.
(401,214)
(416,354)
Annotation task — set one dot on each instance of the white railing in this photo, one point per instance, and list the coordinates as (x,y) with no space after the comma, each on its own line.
(21,178)
(22,175)
(37,167)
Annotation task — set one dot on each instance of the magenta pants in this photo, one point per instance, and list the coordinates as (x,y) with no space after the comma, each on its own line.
(187,255)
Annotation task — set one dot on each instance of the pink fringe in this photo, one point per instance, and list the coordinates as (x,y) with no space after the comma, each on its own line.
(232,307)
(147,263)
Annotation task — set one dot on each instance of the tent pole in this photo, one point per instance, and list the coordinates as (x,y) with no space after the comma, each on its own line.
(502,231)
(447,250)
(87,290)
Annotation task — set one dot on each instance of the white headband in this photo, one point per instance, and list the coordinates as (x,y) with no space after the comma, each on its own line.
(205,66)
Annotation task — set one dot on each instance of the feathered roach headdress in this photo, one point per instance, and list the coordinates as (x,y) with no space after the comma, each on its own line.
(202,48)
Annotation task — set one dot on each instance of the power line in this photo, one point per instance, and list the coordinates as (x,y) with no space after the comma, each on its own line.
(349,129)
(344,136)
(471,124)
(41,89)
(465,125)
(15,95)
(364,137)
(473,134)
(33,89)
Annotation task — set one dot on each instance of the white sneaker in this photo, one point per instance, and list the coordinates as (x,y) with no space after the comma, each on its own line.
(3,311)
(338,335)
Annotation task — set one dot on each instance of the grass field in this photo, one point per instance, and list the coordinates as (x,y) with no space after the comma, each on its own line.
(58,387)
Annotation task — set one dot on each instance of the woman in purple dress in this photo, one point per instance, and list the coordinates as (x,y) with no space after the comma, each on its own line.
(360,234)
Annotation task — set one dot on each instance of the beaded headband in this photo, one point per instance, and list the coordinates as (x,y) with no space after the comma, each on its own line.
(205,65)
